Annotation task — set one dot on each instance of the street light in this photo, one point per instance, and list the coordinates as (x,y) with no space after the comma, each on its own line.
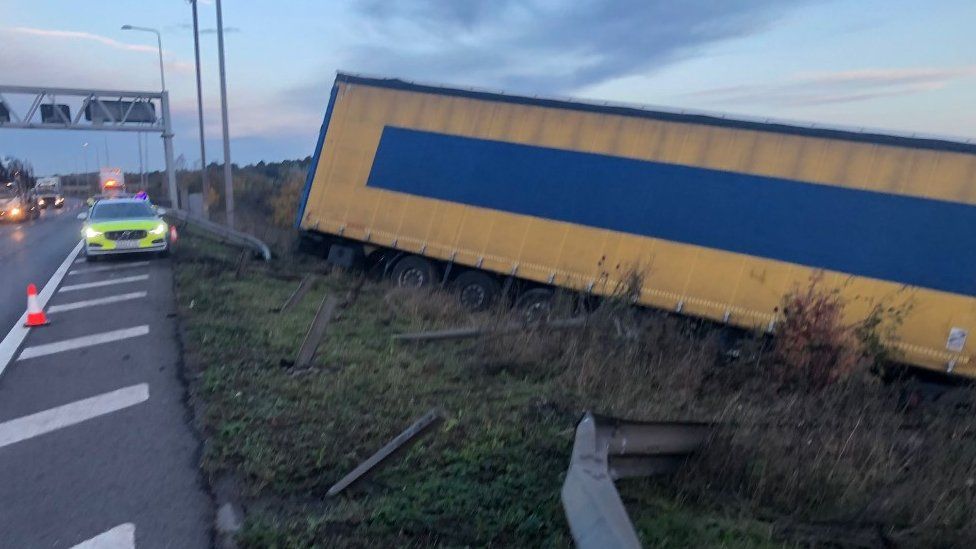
(228,175)
(84,147)
(167,123)
(204,184)
(98,155)
(159,42)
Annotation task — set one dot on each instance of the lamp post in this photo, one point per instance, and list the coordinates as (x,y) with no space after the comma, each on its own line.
(98,155)
(159,43)
(84,147)
(204,184)
(167,123)
(228,176)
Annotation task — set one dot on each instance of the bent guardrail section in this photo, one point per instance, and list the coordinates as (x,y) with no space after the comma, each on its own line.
(226,233)
(607,449)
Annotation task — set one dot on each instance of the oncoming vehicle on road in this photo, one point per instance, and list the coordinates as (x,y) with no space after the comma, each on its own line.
(17,203)
(49,193)
(124,225)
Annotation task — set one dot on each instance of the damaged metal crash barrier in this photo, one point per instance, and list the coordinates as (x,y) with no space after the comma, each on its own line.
(607,449)
(220,231)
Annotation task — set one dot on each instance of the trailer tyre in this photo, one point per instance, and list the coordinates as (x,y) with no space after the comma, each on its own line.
(476,291)
(535,304)
(414,272)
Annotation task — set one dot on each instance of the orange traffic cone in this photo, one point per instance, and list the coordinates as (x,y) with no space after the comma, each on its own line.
(35,314)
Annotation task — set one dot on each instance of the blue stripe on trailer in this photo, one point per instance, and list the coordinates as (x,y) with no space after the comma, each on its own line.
(909,240)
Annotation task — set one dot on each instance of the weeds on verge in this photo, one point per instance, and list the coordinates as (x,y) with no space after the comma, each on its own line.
(816,348)
(806,434)
(854,455)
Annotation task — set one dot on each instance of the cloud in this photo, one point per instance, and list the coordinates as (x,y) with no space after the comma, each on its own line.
(227,30)
(76,35)
(544,45)
(173,64)
(810,89)
(189,27)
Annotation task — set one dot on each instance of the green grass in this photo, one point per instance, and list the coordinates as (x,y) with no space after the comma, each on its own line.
(490,475)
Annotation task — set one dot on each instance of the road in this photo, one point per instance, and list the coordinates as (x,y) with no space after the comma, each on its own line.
(30,252)
(95,445)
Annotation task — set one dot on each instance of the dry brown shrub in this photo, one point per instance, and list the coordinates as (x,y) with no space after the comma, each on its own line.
(813,345)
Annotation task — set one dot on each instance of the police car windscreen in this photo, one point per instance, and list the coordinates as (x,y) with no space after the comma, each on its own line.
(121,210)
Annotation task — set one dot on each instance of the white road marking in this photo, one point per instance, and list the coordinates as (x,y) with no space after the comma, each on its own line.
(100,283)
(122,536)
(23,428)
(109,268)
(94,302)
(82,342)
(11,342)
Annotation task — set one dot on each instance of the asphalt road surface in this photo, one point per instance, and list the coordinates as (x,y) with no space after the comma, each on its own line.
(95,447)
(30,252)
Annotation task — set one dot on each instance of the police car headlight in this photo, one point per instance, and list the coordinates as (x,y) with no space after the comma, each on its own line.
(91,233)
(160,229)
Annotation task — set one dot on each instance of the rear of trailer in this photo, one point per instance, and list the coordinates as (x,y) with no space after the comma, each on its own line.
(719,218)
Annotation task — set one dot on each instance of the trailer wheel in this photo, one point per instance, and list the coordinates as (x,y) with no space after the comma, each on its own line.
(414,272)
(476,291)
(535,304)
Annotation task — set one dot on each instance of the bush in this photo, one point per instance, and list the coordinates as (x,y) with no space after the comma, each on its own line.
(285,201)
(813,346)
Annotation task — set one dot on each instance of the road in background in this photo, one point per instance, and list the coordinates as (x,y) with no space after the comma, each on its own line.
(30,252)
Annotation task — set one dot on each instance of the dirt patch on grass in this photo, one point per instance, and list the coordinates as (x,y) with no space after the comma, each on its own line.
(860,462)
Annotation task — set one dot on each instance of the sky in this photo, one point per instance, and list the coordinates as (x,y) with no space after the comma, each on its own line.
(895,65)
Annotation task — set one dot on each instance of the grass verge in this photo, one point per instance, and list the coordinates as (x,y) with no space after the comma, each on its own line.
(789,467)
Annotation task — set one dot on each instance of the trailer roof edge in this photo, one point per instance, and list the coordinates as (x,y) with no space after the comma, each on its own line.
(682,116)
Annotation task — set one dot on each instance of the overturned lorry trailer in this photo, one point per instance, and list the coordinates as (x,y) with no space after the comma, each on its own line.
(720,217)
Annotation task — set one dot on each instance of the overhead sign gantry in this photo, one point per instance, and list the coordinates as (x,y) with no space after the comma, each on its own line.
(46,108)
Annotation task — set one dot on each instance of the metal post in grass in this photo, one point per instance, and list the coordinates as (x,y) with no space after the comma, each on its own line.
(395,446)
(464,333)
(241,263)
(306,353)
(296,296)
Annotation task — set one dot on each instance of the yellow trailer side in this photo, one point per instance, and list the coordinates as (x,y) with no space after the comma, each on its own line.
(735,214)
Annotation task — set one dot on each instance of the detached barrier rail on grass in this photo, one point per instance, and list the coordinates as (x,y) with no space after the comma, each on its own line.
(465,333)
(225,233)
(607,449)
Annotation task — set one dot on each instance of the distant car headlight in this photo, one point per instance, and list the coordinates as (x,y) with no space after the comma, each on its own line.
(160,229)
(92,233)
(40,201)
(15,211)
